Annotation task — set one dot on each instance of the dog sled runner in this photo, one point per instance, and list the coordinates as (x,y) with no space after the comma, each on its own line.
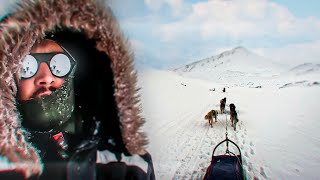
(227,166)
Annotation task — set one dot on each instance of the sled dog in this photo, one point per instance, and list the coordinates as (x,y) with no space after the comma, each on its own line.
(210,115)
(223,105)
(233,116)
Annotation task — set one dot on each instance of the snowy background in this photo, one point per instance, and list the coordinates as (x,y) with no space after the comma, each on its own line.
(278,126)
(277,108)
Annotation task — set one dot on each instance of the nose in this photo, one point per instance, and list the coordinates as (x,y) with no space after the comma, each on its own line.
(44,76)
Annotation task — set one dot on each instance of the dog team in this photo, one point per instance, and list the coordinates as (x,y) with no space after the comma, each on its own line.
(212,114)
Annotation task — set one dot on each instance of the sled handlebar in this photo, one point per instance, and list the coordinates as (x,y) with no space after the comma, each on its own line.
(227,140)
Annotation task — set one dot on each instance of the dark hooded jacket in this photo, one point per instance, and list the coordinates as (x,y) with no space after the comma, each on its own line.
(106,110)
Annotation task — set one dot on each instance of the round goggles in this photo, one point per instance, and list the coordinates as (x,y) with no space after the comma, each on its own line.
(60,64)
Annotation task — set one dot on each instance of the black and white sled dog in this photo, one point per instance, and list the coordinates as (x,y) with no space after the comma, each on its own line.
(233,116)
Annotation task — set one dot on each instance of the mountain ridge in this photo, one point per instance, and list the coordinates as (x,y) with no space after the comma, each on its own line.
(215,57)
(241,67)
(237,59)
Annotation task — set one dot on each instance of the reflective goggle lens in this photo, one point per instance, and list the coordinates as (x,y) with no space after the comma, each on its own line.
(60,65)
(29,67)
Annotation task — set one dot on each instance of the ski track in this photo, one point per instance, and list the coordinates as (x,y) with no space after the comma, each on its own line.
(194,152)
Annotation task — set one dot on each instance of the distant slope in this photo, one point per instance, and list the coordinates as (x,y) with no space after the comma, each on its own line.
(240,67)
(304,75)
(306,68)
(238,59)
(237,66)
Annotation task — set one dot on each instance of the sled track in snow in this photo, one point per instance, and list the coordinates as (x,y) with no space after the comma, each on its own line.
(194,161)
(182,135)
(200,158)
(190,161)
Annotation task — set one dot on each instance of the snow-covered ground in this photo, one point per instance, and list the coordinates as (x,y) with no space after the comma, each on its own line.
(239,67)
(277,132)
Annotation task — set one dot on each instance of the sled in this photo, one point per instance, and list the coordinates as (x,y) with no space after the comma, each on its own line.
(227,166)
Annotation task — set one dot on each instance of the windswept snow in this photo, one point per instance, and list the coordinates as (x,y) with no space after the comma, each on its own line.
(277,132)
(306,68)
(231,67)
(238,59)
(241,68)
(303,75)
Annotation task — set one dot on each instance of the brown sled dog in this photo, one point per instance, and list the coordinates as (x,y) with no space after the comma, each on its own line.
(210,115)
(233,116)
(223,105)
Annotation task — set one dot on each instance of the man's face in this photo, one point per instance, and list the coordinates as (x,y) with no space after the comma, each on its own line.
(43,83)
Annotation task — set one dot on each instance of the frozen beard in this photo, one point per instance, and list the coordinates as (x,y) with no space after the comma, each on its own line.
(50,112)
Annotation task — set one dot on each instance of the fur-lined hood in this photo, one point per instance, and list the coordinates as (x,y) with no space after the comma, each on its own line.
(30,22)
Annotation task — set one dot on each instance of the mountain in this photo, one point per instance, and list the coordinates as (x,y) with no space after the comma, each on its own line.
(304,75)
(306,68)
(238,67)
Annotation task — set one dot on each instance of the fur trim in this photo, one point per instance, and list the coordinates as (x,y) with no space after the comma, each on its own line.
(20,30)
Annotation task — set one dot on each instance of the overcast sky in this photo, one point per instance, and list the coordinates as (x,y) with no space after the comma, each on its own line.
(169,33)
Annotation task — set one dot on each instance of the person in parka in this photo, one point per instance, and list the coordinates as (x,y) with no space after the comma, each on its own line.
(89,127)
